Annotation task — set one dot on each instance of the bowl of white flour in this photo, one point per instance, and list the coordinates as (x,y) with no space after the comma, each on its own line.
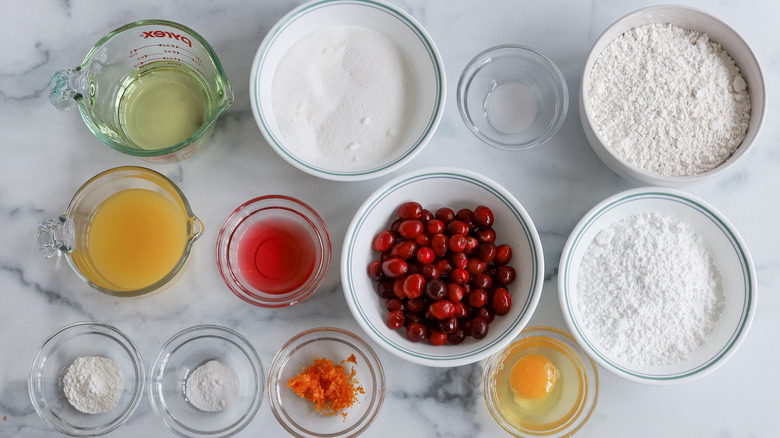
(671,96)
(657,286)
(347,90)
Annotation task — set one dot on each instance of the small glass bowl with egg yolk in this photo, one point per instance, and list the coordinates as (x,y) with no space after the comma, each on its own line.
(543,384)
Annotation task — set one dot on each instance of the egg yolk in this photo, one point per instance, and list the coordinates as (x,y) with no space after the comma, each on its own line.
(532,377)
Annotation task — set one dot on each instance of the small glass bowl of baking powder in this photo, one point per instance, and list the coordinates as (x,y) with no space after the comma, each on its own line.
(56,355)
(512,97)
(187,354)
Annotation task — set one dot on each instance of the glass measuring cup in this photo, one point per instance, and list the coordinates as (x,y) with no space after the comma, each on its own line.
(127,231)
(151,89)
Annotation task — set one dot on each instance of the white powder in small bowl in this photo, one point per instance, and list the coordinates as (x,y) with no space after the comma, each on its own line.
(93,384)
(343,97)
(212,387)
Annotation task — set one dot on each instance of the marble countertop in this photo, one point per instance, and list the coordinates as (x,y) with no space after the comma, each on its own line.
(47,155)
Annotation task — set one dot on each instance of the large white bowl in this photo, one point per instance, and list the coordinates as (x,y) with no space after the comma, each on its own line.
(718,31)
(434,188)
(421,53)
(729,253)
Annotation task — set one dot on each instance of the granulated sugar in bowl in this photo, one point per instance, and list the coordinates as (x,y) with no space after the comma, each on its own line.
(671,96)
(347,90)
(657,286)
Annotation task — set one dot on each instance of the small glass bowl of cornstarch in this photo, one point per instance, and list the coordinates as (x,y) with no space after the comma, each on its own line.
(657,286)
(206,381)
(671,96)
(101,365)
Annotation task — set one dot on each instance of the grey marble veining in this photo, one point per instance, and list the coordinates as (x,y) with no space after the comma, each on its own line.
(47,155)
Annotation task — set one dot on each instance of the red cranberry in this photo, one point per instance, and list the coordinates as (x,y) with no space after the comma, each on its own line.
(416,332)
(384,240)
(410,210)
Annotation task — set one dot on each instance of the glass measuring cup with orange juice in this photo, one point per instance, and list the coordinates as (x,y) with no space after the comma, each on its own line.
(152,89)
(128,231)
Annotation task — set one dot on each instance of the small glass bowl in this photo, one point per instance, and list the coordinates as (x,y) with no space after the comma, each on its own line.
(583,402)
(512,97)
(54,357)
(278,209)
(184,353)
(297,415)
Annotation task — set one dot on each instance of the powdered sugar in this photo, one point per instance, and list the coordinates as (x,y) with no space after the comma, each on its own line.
(669,100)
(342,96)
(649,291)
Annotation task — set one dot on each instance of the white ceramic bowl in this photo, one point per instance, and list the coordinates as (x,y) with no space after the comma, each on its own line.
(421,53)
(434,188)
(718,31)
(729,253)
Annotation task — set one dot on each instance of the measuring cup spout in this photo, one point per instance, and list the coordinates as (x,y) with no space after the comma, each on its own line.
(51,237)
(66,88)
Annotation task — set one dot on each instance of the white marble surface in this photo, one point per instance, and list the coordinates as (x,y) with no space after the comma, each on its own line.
(47,155)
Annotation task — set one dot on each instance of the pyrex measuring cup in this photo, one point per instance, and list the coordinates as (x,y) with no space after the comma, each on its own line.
(152,89)
(127,231)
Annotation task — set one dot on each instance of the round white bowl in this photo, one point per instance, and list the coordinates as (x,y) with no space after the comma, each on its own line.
(718,31)
(434,188)
(729,253)
(421,53)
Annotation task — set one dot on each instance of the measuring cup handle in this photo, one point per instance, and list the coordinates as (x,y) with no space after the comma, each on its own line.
(51,237)
(62,94)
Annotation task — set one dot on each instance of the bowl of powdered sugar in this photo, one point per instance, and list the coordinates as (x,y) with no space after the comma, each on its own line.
(347,90)
(657,286)
(671,96)
(86,379)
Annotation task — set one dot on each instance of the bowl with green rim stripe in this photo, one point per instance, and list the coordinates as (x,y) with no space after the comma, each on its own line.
(435,188)
(423,79)
(728,252)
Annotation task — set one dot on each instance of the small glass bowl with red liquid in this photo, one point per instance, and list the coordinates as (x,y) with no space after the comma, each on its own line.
(273,251)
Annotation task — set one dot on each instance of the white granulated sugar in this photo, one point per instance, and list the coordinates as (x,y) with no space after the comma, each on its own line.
(343,97)
(649,291)
(669,100)
(93,384)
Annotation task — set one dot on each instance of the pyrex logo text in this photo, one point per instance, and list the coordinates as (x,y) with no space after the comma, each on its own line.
(161,34)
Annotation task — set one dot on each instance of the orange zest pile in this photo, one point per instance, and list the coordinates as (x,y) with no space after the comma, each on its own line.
(328,386)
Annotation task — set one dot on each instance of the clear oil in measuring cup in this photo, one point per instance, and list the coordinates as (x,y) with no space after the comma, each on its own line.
(162,104)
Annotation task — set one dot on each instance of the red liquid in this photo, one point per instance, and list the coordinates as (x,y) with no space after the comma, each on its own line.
(276,255)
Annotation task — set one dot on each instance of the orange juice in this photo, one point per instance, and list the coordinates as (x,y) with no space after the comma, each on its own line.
(134,239)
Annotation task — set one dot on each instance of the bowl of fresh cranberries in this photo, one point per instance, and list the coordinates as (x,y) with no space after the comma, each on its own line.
(442,267)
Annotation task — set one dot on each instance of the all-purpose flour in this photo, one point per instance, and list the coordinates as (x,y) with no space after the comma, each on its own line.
(343,97)
(649,291)
(93,384)
(669,100)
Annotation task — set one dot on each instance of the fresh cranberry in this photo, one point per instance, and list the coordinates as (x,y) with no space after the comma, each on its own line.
(375,270)
(425,255)
(396,319)
(444,266)
(457,243)
(434,226)
(478,328)
(477,298)
(441,309)
(454,292)
(423,239)
(385,288)
(501,301)
(466,216)
(482,281)
(448,325)
(436,289)
(486,251)
(410,228)
(476,266)
(404,249)
(413,285)
(503,255)
(460,276)
(416,305)
(394,304)
(394,267)
(506,275)
(459,260)
(456,337)
(483,216)
(486,235)
(440,244)
(410,210)
(416,332)
(429,271)
(445,215)
(457,227)
(384,240)
(437,338)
